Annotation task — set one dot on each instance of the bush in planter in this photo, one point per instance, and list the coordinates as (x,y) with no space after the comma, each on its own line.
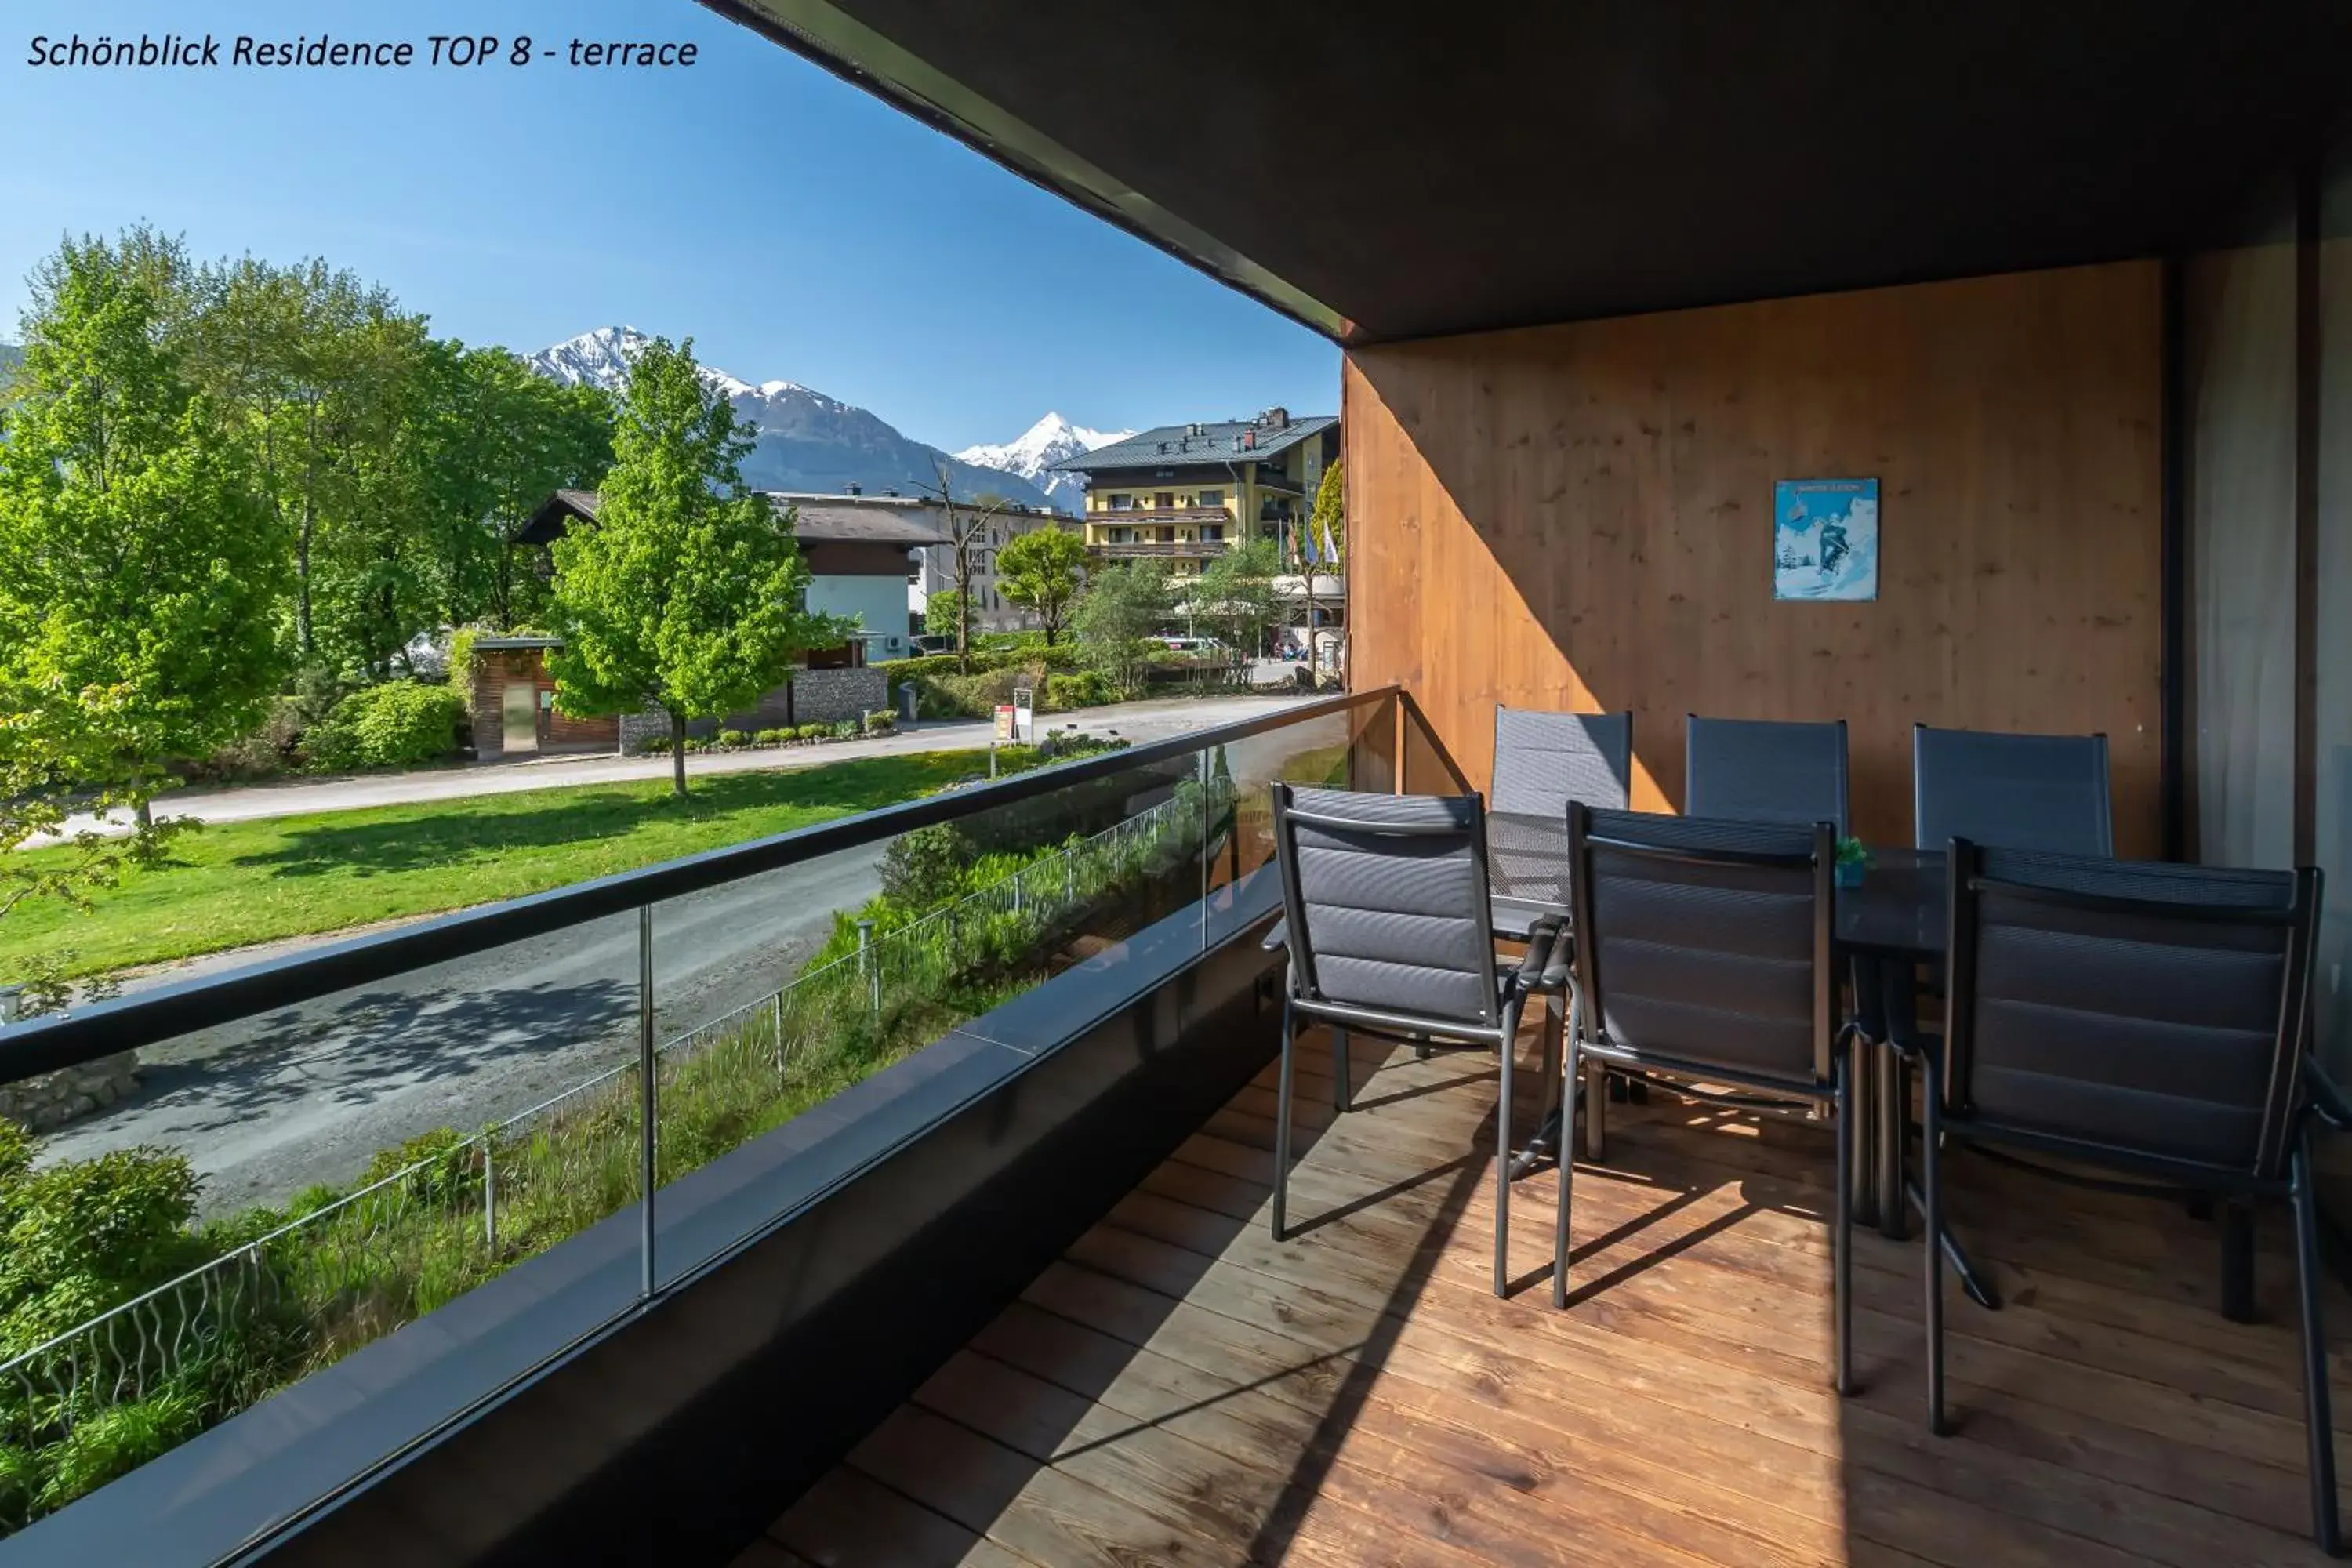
(814,731)
(728,738)
(771,737)
(881,721)
(398,724)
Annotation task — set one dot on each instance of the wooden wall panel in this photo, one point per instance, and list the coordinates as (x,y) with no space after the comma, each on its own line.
(1580,516)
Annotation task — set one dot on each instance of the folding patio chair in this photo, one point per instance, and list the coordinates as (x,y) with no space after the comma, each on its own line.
(1764,770)
(1705,961)
(2143,1018)
(2020,792)
(1385,918)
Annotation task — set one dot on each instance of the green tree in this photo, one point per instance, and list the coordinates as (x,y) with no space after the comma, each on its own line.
(1235,593)
(943,614)
(144,572)
(687,594)
(1329,518)
(1042,570)
(1122,607)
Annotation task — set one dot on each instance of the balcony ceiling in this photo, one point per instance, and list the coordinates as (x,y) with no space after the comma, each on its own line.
(1393,172)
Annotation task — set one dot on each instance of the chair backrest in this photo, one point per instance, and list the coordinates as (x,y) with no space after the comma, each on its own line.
(1387,903)
(1707,943)
(2020,792)
(1544,760)
(2150,1011)
(1762,769)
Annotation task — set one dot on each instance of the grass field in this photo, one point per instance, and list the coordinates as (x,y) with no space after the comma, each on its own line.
(230,885)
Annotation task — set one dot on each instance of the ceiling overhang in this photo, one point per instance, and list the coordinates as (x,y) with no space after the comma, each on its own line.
(1380,172)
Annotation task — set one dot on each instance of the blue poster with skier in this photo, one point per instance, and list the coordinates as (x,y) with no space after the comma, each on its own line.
(1825,539)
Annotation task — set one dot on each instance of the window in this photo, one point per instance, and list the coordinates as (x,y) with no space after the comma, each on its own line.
(1214,532)
(1165,501)
(1123,502)
(1213,498)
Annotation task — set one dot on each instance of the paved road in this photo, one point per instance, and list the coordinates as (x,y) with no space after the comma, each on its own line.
(1138,721)
(269,1106)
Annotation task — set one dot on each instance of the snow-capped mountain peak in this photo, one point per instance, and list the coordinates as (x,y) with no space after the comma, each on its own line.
(806,440)
(599,358)
(1050,440)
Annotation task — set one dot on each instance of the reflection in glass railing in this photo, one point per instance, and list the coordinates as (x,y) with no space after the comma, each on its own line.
(289,1188)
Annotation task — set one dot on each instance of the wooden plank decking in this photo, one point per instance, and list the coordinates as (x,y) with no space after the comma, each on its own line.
(1181,1389)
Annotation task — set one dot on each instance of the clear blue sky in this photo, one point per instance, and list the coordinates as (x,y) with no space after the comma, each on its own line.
(793,226)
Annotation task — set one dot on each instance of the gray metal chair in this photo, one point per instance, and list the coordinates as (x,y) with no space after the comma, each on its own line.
(1763,770)
(2147,1019)
(2020,792)
(1543,760)
(1385,918)
(1704,959)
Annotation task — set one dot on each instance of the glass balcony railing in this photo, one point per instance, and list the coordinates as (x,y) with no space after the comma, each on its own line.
(603,1086)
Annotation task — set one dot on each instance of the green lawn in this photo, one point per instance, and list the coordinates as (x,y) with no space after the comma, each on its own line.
(231,884)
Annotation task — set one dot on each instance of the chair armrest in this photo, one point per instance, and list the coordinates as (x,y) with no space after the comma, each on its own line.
(1550,949)
(2326,1098)
(1278,938)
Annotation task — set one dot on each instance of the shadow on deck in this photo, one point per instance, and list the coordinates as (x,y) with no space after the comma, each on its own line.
(1179,1388)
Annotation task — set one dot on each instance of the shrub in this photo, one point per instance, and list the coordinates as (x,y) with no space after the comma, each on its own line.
(845,730)
(694,744)
(83,1235)
(733,738)
(925,868)
(398,724)
(814,731)
(881,721)
(1087,688)
(772,737)
(655,745)
(450,1166)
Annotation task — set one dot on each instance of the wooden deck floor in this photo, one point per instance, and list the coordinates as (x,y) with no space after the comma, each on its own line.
(1179,1389)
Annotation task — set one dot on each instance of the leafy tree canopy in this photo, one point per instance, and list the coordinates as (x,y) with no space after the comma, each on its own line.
(1043,571)
(687,594)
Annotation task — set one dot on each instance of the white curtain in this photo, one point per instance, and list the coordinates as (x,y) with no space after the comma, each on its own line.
(2241,395)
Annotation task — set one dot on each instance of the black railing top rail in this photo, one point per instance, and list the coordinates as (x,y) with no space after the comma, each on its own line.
(84,1034)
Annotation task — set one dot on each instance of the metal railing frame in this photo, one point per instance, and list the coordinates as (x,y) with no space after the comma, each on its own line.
(86,1033)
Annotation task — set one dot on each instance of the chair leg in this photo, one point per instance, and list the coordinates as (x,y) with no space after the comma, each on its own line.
(1562,1241)
(1931,1180)
(1552,1031)
(1282,1124)
(1841,1235)
(2318,1418)
(1503,1154)
(1343,1076)
(1596,1111)
(2238,1260)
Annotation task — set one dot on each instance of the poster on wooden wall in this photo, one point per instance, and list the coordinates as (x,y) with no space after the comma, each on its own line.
(1825,539)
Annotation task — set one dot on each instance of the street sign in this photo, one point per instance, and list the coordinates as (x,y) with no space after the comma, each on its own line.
(1025,714)
(1004,720)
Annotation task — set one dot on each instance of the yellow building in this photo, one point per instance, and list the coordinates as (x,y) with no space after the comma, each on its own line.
(1183,494)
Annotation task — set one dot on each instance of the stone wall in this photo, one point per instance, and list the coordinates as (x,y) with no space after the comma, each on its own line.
(809,697)
(823,696)
(53,1098)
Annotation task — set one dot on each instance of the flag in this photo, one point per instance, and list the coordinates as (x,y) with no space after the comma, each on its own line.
(1328,553)
(1307,547)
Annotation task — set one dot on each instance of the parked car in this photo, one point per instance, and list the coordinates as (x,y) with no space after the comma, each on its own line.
(1198,648)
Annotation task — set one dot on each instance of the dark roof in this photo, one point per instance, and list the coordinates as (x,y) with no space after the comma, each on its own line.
(555,514)
(846,521)
(1220,442)
(1505,166)
(831,519)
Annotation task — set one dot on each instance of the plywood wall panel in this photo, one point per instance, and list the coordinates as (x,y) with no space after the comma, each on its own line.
(1580,516)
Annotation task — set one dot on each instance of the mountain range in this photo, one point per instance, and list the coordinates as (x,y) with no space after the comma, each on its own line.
(1030,455)
(808,441)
